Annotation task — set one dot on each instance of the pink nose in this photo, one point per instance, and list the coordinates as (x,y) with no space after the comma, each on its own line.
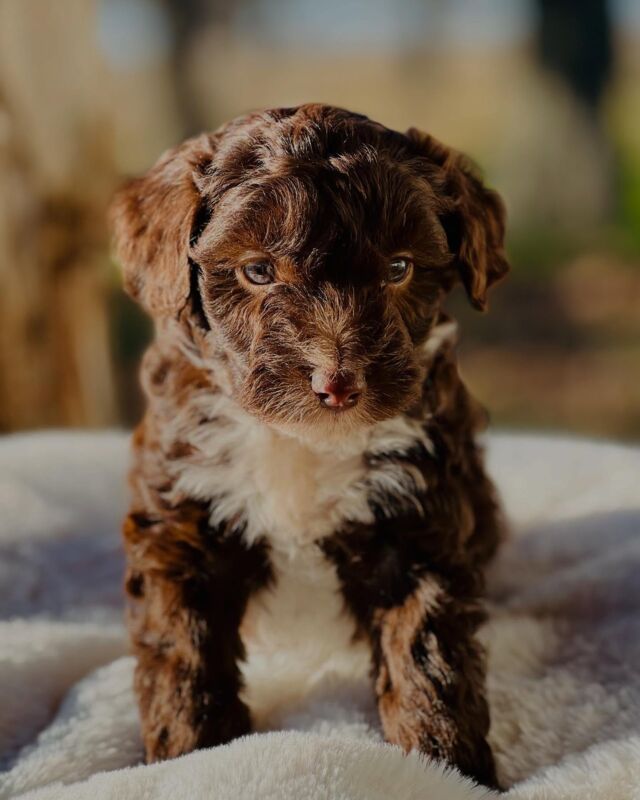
(340,390)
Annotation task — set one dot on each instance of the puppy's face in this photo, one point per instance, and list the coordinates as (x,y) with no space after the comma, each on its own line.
(323,275)
(310,249)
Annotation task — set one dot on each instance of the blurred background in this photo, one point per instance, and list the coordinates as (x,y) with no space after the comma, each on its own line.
(544,94)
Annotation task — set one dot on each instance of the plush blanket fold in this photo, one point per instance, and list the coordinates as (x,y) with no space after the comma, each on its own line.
(563,643)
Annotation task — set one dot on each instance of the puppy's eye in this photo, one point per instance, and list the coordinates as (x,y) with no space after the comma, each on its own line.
(261,273)
(398,270)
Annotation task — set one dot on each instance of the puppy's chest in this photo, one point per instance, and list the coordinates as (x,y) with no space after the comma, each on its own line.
(298,496)
(297,499)
(275,487)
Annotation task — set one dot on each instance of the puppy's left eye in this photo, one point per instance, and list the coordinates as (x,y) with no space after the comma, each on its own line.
(398,270)
(260,273)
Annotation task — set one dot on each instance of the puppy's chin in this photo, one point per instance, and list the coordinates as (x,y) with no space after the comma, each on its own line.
(327,430)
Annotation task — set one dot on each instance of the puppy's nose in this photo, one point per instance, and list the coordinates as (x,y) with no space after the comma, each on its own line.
(340,390)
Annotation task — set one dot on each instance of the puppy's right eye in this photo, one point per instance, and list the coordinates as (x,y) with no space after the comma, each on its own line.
(260,273)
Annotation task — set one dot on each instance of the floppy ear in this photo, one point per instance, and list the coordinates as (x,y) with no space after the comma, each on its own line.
(154,218)
(472,216)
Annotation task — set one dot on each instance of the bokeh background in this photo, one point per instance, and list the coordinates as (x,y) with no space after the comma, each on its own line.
(544,94)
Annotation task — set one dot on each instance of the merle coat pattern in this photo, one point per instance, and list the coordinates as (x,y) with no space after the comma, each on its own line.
(295,249)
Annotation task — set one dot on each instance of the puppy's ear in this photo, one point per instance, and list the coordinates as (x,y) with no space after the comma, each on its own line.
(472,216)
(153,219)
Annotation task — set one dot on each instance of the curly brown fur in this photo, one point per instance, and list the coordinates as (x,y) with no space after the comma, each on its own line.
(247,480)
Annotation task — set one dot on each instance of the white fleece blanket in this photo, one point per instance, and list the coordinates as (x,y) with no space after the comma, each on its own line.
(564,646)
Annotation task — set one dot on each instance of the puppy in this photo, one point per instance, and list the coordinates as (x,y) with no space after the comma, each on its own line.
(307,463)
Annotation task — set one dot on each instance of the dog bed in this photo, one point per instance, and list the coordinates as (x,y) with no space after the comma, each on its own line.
(563,643)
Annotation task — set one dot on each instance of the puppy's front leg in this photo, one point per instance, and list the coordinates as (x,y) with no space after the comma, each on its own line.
(429,678)
(189,585)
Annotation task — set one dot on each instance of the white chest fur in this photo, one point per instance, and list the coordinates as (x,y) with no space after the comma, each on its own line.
(282,490)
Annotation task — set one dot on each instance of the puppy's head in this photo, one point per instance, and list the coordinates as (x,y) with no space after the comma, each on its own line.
(311,248)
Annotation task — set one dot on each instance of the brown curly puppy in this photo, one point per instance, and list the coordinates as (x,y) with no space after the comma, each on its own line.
(308,449)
